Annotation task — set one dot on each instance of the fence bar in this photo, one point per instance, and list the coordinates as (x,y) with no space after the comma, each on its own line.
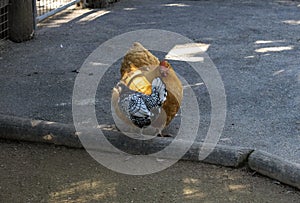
(48,14)
(4,27)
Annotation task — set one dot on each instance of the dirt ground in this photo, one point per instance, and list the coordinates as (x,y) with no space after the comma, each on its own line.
(44,173)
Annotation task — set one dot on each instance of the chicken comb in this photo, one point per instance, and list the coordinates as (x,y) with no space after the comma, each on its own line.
(164,63)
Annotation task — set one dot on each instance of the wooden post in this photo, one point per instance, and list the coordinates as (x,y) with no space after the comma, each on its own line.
(21,20)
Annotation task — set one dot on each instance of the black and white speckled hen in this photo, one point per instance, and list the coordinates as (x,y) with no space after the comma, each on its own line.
(138,107)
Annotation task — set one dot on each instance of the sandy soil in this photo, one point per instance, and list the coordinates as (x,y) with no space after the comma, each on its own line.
(45,173)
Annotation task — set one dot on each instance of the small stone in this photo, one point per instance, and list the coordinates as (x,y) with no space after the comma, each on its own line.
(48,137)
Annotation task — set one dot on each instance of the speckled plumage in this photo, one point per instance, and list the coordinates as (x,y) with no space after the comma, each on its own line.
(138,106)
(139,67)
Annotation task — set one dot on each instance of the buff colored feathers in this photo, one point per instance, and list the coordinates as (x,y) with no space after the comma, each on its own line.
(139,68)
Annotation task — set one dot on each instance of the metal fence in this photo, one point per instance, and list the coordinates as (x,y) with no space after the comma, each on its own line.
(4,27)
(42,9)
(46,8)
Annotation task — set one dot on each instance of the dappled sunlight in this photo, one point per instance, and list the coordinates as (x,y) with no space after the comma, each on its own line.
(98,64)
(191,181)
(234,187)
(268,41)
(37,122)
(292,22)
(63,104)
(84,191)
(278,72)
(274,49)
(191,52)
(193,85)
(81,16)
(176,5)
(190,189)
(60,18)
(92,16)
(57,22)
(191,193)
(222,181)
(48,137)
(266,50)
(129,9)
(107,127)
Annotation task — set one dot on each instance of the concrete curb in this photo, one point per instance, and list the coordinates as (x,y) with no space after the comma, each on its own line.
(275,167)
(15,128)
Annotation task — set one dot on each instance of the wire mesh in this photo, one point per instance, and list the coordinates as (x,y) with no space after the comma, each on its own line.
(4,27)
(45,6)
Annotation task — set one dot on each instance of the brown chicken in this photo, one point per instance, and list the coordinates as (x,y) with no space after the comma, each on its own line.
(139,70)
